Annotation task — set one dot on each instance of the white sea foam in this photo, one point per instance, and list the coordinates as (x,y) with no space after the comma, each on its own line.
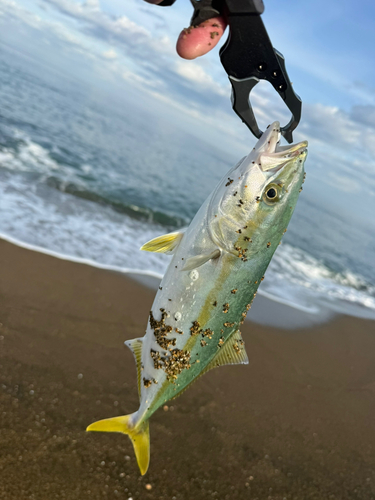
(296,266)
(45,218)
(29,156)
(25,155)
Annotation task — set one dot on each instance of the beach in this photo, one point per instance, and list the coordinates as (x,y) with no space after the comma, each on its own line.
(296,423)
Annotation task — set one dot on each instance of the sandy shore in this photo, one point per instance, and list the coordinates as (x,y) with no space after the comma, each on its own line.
(297,423)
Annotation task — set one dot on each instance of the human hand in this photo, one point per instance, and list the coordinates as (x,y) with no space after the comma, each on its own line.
(195,42)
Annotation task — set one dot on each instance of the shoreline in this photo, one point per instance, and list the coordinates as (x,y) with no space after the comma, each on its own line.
(297,422)
(284,313)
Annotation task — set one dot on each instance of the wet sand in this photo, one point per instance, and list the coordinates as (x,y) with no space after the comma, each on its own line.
(297,423)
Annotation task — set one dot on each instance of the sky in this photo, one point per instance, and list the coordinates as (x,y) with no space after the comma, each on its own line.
(129,46)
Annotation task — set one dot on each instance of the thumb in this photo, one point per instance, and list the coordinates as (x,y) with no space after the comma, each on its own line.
(197,41)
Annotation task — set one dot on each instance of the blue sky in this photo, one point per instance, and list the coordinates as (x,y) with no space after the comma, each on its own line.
(129,46)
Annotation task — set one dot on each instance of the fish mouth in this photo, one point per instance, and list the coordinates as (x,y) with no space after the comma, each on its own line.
(272,156)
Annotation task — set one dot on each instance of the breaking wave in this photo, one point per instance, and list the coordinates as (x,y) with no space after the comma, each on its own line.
(21,154)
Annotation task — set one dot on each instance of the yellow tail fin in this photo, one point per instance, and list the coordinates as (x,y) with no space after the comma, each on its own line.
(140,436)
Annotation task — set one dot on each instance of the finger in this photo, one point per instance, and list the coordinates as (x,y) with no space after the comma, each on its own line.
(195,42)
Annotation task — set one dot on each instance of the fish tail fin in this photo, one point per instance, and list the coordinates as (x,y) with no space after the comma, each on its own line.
(139,436)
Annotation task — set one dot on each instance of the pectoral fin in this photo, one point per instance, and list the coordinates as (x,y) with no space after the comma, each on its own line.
(135,345)
(199,260)
(167,243)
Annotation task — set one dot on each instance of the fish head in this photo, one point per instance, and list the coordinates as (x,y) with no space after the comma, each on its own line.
(259,195)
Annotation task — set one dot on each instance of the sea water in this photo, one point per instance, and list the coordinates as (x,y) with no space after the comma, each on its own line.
(90,176)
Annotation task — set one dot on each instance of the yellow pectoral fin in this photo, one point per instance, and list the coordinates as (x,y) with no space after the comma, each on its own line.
(166,243)
(139,436)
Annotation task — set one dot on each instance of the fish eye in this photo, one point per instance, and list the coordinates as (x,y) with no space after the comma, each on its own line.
(271,194)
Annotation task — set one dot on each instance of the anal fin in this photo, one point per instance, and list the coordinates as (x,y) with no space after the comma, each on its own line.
(231,353)
(135,345)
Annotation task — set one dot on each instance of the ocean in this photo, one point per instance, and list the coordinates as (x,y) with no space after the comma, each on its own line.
(89,175)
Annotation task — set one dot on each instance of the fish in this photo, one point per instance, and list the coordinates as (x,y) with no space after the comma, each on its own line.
(217,264)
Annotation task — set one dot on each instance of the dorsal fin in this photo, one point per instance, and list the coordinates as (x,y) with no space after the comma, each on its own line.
(231,353)
(135,345)
(167,243)
(199,260)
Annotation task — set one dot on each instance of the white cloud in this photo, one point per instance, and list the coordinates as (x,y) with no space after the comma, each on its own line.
(110,54)
(364,114)
(335,128)
(343,183)
(100,24)
(10,9)
(196,74)
(92,5)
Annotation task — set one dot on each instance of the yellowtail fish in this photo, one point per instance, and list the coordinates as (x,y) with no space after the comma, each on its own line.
(207,290)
